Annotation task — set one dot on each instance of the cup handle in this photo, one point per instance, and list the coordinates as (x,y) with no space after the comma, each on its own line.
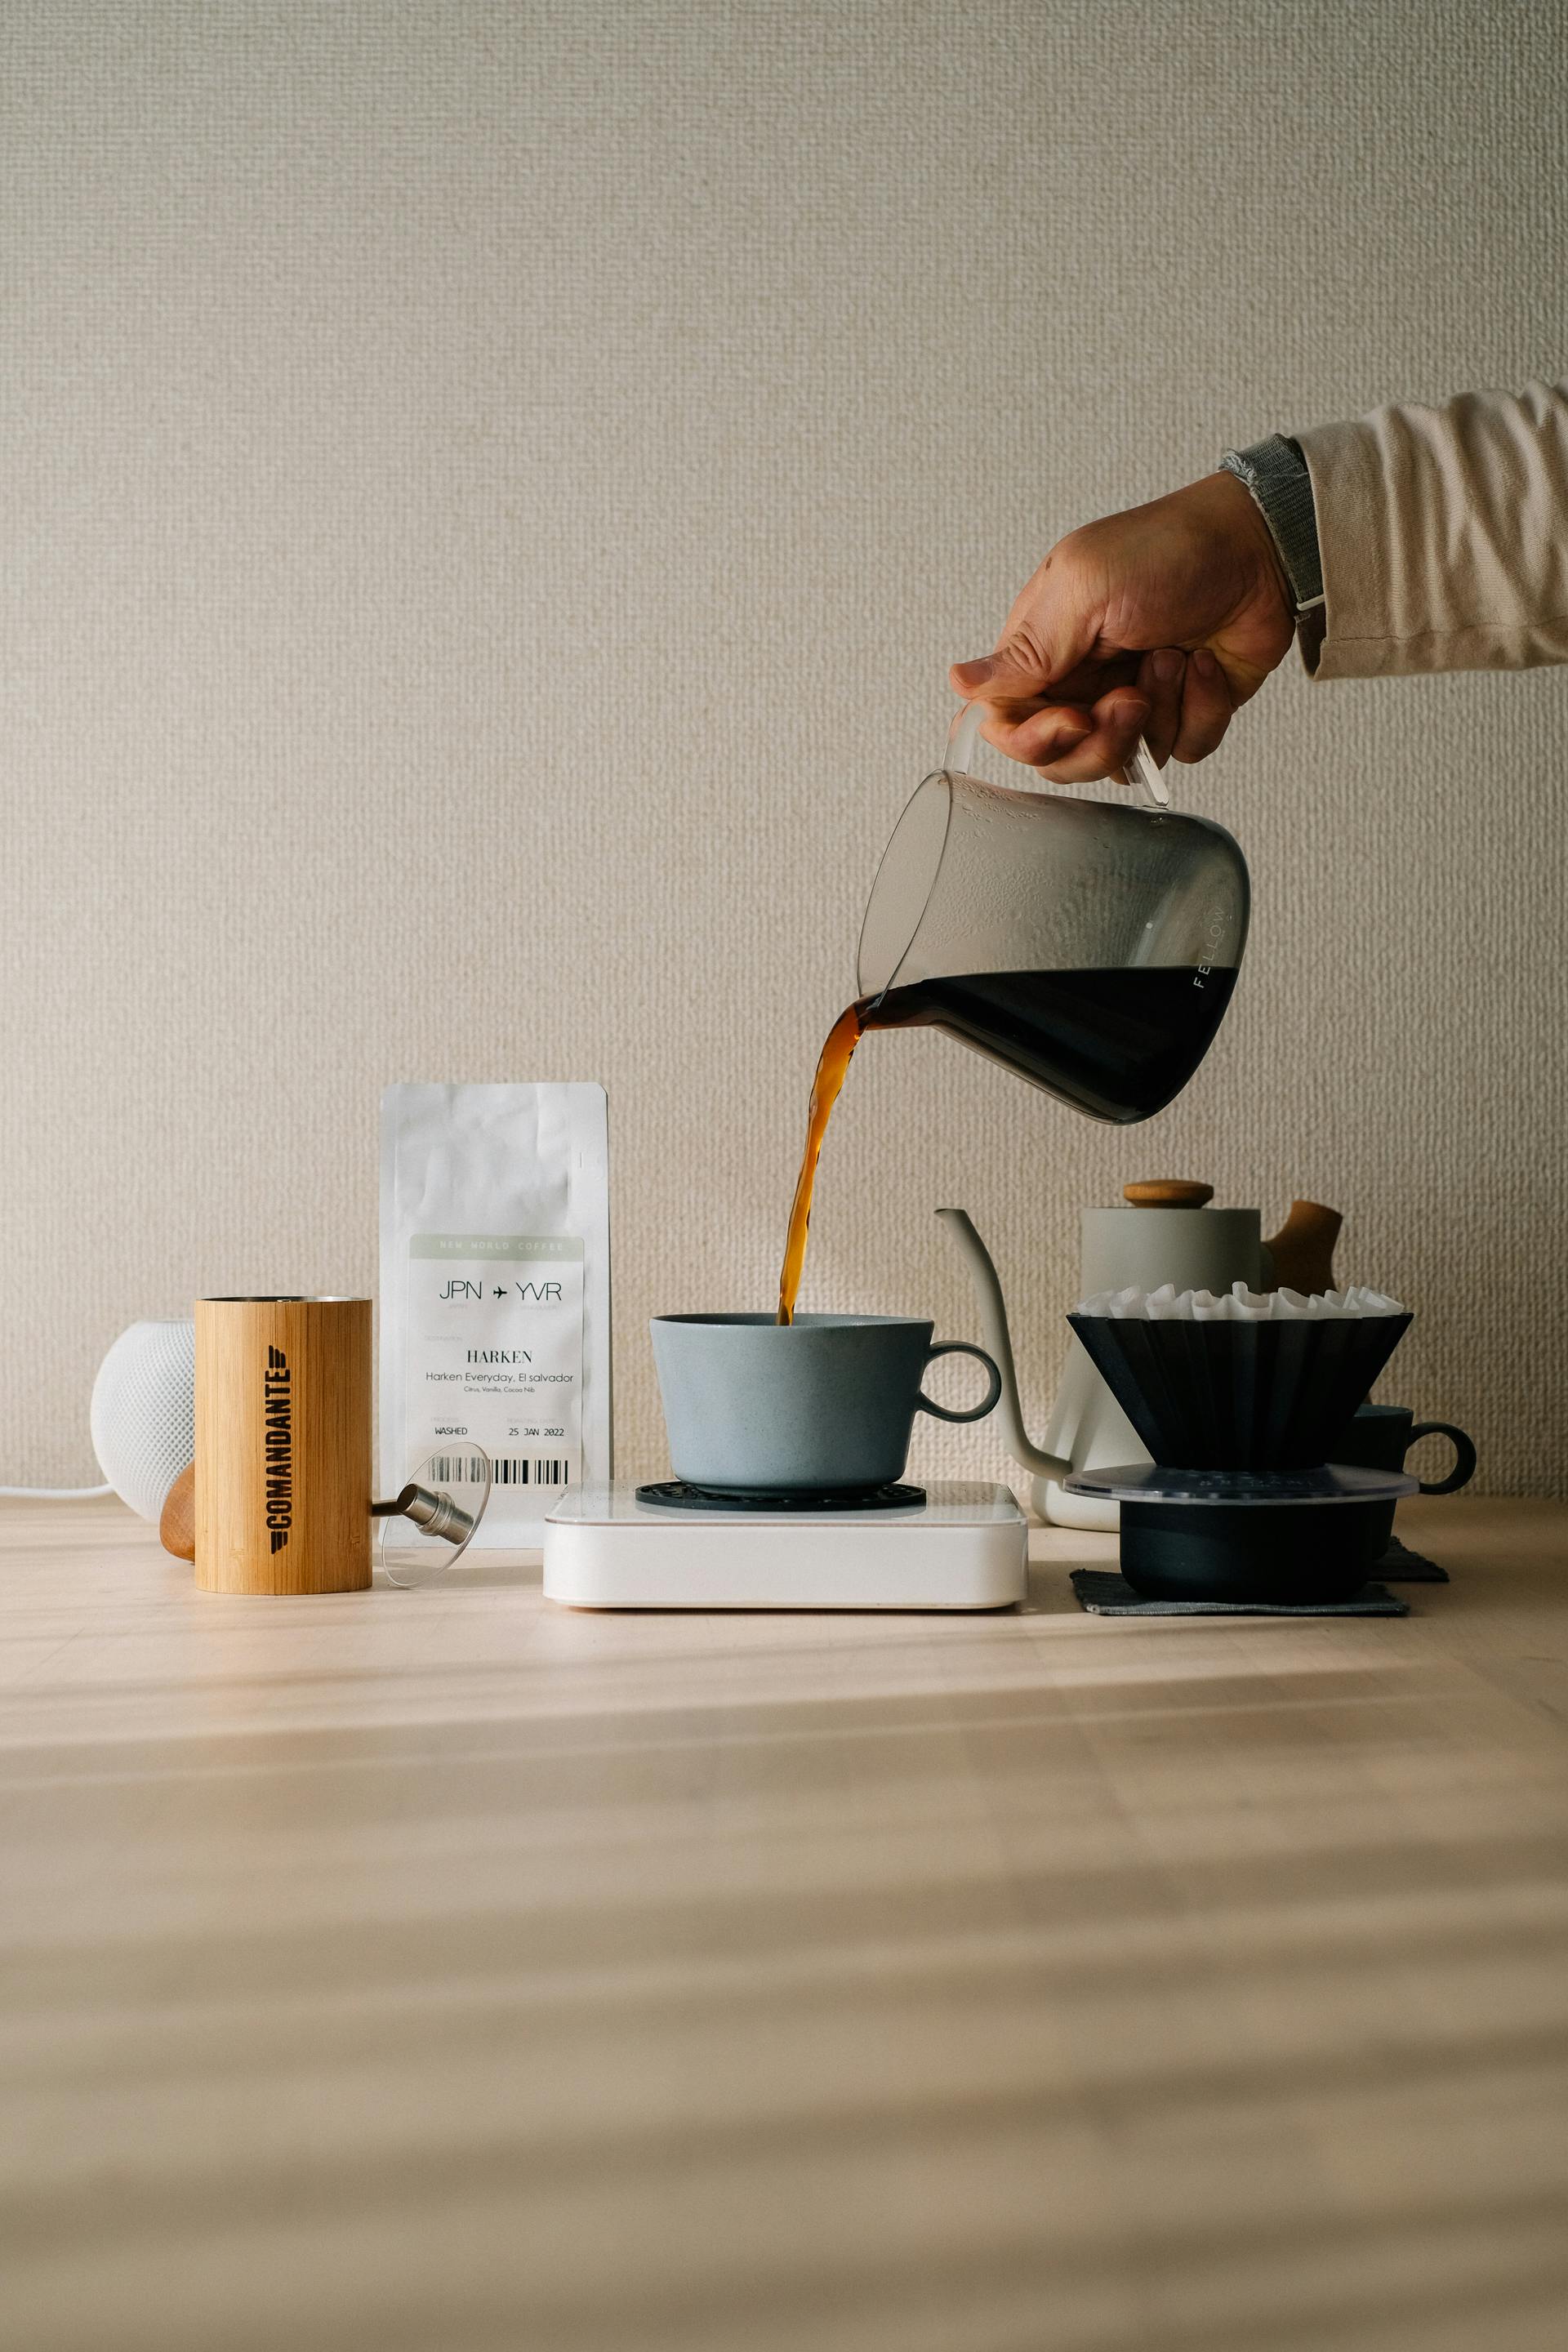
(988,1402)
(1464,1468)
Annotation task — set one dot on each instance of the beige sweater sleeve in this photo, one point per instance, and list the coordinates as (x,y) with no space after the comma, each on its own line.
(1444,536)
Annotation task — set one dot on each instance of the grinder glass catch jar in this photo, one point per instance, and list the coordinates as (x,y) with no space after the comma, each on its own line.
(1088,943)
(428,1525)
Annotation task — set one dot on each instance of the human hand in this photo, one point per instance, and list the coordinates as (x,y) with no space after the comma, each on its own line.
(1160,621)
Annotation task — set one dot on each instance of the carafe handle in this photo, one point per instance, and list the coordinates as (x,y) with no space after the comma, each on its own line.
(1140,772)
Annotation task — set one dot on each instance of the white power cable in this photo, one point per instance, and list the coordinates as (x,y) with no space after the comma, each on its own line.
(57,1494)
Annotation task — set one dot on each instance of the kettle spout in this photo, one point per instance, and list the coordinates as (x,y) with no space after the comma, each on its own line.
(994,1325)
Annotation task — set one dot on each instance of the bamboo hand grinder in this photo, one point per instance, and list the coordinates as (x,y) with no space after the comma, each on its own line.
(283,1466)
(278,1499)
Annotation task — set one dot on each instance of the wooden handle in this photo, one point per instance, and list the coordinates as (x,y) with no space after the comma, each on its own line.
(1303,1248)
(1171,1195)
(282,1445)
(177,1525)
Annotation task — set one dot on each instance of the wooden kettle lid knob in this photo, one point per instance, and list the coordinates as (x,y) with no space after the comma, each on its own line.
(1172,1193)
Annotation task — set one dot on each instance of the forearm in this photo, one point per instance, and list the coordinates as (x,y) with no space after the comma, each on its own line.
(1442,536)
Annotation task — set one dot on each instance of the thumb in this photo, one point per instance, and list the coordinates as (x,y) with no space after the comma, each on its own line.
(1036,652)
(1020,670)
(1054,627)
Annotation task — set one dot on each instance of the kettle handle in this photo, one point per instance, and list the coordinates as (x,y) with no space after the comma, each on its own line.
(993,1323)
(1139,771)
(1301,1255)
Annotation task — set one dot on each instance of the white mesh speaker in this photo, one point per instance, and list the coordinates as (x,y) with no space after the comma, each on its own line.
(144,1412)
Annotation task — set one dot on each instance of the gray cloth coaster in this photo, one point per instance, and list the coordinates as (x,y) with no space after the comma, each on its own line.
(1105,1594)
(1400,1565)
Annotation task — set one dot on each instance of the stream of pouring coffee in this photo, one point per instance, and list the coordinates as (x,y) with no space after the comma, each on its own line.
(832,1064)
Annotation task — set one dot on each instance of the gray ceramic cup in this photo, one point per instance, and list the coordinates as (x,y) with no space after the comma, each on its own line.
(822,1405)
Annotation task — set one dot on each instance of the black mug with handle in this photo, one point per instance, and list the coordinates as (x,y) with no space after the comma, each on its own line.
(1379,1437)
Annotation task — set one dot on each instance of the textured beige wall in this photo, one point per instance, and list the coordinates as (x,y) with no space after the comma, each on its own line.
(490,494)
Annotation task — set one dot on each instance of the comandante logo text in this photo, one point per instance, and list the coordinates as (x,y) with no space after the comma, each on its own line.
(277,1438)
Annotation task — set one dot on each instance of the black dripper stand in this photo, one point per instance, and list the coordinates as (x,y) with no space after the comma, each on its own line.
(1239,1508)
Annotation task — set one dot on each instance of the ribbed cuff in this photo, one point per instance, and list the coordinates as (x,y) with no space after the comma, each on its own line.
(1274,472)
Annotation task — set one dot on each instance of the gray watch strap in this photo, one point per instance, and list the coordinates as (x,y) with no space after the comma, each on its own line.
(1275,473)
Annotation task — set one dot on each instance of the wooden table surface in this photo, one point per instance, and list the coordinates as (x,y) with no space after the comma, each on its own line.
(429,1971)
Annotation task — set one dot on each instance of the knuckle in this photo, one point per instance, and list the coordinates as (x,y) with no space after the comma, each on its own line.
(1023,649)
(1075,547)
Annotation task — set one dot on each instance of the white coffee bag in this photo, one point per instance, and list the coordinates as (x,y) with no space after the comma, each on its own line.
(495,1292)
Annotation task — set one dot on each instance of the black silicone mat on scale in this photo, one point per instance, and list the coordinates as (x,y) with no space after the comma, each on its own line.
(1400,1565)
(1104,1593)
(675,1495)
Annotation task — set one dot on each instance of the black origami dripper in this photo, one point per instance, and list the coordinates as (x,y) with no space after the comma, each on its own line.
(1240,1395)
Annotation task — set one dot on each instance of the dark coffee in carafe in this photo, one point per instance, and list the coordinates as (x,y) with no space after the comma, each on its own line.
(1118,1046)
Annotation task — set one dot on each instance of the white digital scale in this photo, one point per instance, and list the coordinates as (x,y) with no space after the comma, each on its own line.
(959,1547)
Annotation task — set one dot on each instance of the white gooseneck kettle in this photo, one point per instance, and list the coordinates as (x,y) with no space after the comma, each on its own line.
(1165,1233)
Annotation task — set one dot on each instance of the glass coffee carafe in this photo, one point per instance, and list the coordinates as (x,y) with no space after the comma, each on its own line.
(1088,943)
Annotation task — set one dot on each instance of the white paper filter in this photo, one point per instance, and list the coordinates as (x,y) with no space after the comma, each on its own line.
(1238,1304)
